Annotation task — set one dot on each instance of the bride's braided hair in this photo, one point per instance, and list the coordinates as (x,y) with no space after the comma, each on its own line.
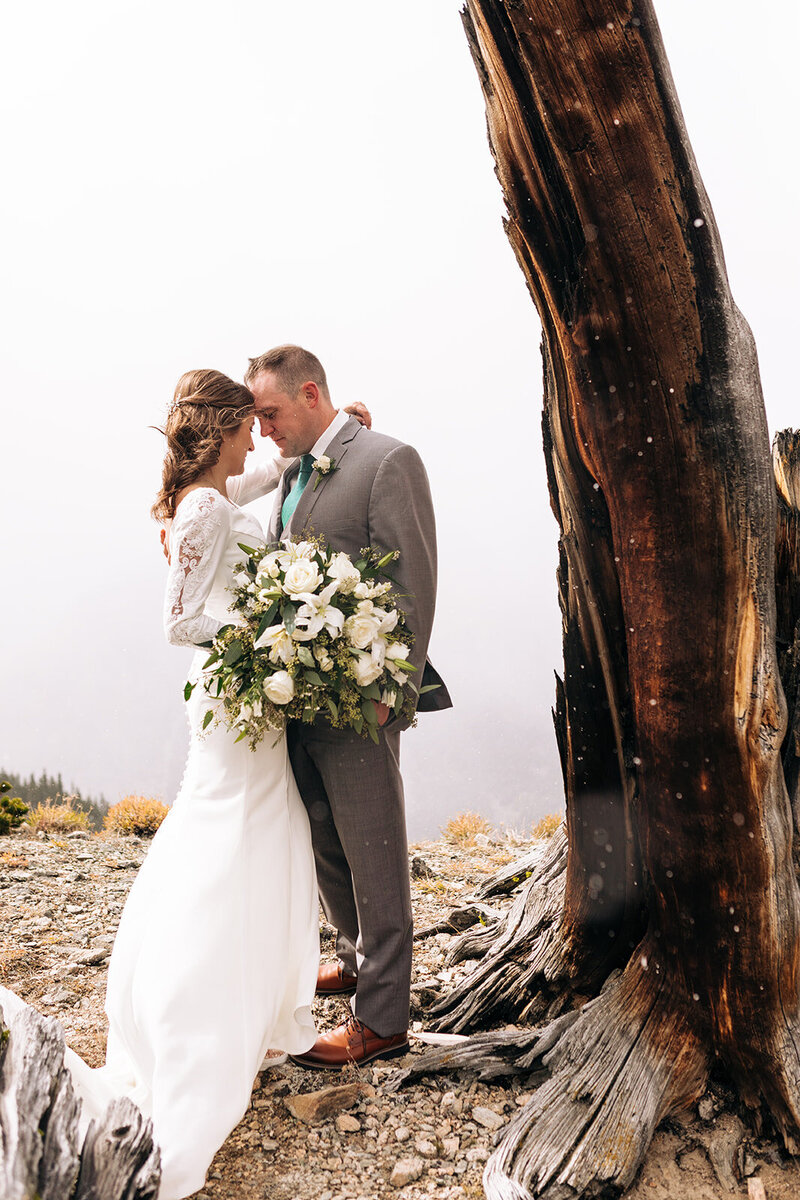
(206,405)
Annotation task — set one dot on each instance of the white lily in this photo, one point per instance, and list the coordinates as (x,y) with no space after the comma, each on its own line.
(278,642)
(317,613)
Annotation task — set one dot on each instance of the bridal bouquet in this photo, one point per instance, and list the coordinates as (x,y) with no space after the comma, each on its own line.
(315,634)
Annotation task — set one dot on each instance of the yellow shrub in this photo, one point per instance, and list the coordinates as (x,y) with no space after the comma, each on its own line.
(462,828)
(547,826)
(140,815)
(57,816)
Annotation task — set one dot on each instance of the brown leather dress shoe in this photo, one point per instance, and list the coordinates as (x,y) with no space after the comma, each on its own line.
(350,1043)
(333,979)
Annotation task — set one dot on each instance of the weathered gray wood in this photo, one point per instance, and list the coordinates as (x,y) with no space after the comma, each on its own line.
(119,1158)
(459,919)
(41,1157)
(488,1056)
(615,1072)
(31,1082)
(523,971)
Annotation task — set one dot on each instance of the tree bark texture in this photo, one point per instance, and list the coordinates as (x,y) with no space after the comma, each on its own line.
(670,717)
(42,1156)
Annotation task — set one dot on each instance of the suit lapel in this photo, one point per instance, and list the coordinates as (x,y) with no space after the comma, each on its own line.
(310,497)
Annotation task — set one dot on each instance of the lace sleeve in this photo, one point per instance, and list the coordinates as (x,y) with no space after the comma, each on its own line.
(199,536)
(257,481)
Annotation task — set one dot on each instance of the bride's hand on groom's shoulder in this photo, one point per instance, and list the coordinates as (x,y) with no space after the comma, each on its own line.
(361,413)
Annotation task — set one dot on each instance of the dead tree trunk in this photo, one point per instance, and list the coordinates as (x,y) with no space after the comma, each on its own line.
(41,1154)
(670,717)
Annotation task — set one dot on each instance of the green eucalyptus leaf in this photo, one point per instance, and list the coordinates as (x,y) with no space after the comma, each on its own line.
(306,657)
(373,733)
(370,712)
(233,653)
(289,616)
(188,689)
(313,678)
(333,708)
(212,658)
(207,719)
(429,687)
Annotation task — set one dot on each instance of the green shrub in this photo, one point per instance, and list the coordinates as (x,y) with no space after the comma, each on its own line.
(12,809)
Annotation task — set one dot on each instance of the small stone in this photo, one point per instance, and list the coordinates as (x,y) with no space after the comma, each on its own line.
(420,869)
(477,1154)
(450,1147)
(425,1148)
(269,1146)
(487,1117)
(482,840)
(406,1170)
(92,958)
(402,1134)
(313,1107)
(705,1109)
(523,1098)
(60,996)
(347,1124)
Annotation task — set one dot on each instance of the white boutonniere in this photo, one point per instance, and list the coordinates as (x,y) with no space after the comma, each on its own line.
(323,466)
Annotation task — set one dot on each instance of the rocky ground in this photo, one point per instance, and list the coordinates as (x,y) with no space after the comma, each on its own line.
(60,901)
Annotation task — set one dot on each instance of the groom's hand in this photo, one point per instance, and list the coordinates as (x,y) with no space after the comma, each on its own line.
(383,712)
(361,413)
(165,531)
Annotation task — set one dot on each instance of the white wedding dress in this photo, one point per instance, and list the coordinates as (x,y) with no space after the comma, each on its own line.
(216,956)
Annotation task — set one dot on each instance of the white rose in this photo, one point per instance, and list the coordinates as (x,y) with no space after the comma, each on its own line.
(323,658)
(361,590)
(361,630)
(342,570)
(397,650)
(302,576)
(322,464)
(365,670)
(270,565)
(242,579)
(279,688)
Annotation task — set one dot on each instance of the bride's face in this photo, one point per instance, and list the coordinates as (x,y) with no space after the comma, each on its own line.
(236,447)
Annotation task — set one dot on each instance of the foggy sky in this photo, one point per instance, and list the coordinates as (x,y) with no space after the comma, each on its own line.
(189,184)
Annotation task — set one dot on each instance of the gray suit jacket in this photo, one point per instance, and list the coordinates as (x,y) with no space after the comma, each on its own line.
(377,496)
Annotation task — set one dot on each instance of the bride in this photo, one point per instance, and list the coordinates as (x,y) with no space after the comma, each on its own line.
(217,951)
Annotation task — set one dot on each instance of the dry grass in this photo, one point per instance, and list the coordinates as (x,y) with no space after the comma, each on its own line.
(57,816)
(547,826)
(139,815)
(463,828)
(13,860)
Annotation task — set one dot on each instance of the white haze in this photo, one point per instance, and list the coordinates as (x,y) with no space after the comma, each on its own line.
(189,183)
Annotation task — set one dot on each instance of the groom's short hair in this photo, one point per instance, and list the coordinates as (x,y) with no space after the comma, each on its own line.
(292,366)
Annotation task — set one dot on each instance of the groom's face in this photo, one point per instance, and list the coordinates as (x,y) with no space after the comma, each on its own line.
(284,418)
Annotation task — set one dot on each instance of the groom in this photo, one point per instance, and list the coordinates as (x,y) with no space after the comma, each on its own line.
(375,494)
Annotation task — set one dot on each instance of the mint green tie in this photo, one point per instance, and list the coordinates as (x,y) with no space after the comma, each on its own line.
(290,503)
